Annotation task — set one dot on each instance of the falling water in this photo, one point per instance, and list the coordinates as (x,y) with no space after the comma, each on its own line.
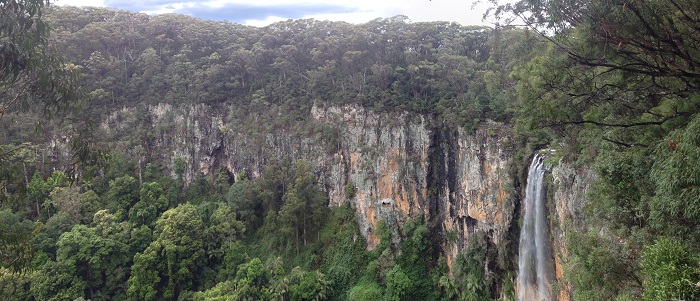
(535,266)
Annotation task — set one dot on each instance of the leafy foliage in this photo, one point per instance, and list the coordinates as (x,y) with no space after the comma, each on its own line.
(31,68)
(675,207)
(174,258)
(608,270)
(469,281)
(14,244)
(385,64)
(615,81)
(671,271)
(94,259)
(618,87)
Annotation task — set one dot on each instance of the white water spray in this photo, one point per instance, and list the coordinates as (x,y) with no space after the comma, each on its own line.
(535,266)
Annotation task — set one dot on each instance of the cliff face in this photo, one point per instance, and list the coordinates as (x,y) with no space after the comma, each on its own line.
(401,166)
(476,187)
(570,187)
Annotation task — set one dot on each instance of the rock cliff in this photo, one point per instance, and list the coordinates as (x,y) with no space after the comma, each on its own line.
(570,187)
(400,165)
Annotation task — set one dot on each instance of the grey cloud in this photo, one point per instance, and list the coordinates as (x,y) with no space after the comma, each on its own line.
(142,5)
(240,13)
(234,12)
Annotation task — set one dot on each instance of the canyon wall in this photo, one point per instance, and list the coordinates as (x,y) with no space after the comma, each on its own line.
(570,186)
(400,165)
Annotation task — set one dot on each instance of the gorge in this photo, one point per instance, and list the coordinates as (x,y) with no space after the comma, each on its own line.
(401,166)
(314,160)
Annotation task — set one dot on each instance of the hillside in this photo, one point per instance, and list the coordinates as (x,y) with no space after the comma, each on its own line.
(316,160)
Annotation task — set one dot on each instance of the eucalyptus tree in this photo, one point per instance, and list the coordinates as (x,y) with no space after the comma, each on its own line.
(620,84)
(304,206)
(32,76)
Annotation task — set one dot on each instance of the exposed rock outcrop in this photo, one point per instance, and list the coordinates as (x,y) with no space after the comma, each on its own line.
(570,188)
(401,165)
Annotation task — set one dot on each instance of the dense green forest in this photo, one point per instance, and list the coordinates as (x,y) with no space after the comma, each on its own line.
(110,227)
(619,89)
(386,64)
(613,85)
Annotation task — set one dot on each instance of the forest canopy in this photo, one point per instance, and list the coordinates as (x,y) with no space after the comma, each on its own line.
(136,228)
(611,85)
(619,90)
(431,68)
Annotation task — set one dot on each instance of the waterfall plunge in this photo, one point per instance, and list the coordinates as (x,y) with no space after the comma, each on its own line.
(535,266)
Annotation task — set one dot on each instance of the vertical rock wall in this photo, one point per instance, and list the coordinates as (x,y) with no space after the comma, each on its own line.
(401,165)
(477,192)
(570,187)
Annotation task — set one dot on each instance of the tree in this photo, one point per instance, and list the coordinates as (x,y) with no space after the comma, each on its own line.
(40,191)
(179,167)
(32,77)
(654,38)
(122,193)
(67,200)
(397,284)
(414,263)
(172,263)
(99,262)
(472,279)
(31,68)
(45,236)
(151,203)
(304,205)
(224,230)
(15,286)
(57,282)
(89,205)
(252,280)
(309,286)
(620,85)
(623,74)
(223,291)
(675,207)
(15,250)
(145,280)
(243,199)
(37,191)
(622,66)
(365,291)
(344,251)
(671,272)
(109,225)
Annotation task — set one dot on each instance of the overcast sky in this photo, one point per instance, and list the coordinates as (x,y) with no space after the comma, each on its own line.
(264,12)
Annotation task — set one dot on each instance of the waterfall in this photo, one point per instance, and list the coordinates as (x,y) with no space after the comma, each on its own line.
(535,265)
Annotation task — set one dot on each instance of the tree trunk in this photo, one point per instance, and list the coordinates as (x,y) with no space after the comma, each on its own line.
(26,177)
(91,290)
(140,173)
(296,231)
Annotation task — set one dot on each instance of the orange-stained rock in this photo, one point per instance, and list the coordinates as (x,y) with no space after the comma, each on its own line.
(571,186)
(354,157)
(401,165)
(388,158)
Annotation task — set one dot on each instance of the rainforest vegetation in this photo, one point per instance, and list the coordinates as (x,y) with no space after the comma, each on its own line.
(84,215)
(619,89)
